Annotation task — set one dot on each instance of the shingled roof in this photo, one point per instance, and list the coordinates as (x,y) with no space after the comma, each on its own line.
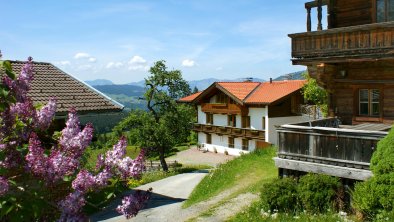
(250,92)
(50,81)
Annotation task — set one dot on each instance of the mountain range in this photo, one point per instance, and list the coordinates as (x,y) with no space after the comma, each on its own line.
(130,94)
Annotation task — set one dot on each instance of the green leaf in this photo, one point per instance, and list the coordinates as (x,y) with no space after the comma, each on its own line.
(110,195)
(10,74)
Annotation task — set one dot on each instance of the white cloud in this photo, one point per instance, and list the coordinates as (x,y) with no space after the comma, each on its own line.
(138,63)
(188,63)
(114,65)
(92,59)
(82,55)
(137,60)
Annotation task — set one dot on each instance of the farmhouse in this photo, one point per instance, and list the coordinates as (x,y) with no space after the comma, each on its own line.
(239,117)
(353,59)
(50,81)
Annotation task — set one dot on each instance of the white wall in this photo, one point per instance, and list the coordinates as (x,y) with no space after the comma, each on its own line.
(256,117)
(238,121)
(272,122)
(220,144)
(201,115)
(219,120)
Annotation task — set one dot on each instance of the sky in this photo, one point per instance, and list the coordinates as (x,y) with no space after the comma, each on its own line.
(120,39)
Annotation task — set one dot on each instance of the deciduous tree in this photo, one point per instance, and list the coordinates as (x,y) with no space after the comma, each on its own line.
(166,123)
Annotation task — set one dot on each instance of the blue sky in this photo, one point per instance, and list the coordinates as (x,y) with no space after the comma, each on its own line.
(118,40)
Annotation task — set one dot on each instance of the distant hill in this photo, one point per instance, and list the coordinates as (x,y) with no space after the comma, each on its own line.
(99,82)
(205,83)
(291,76)
(127,90)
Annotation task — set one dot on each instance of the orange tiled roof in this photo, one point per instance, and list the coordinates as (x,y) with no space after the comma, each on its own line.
(253,92)
(50,81)
(189,98)
(270,92)
(239,89)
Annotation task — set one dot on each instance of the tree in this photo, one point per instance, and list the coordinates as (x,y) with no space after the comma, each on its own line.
(166,123)
(314,93)
(195,90)
(41,175)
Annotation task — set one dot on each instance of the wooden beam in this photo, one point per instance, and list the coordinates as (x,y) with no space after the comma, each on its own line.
(343,172)
(314,4)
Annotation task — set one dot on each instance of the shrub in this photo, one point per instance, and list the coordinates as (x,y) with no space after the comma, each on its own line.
(226,152)
(374,198)
(280,194)
(317,192)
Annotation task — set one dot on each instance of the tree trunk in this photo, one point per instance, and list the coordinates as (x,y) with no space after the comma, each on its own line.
(162,159)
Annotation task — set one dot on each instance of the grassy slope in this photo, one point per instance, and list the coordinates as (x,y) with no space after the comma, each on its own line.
(249,170)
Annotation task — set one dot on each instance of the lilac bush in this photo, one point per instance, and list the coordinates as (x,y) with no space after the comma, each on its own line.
(41,176)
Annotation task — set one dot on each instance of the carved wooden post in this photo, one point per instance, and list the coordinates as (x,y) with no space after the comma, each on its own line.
(319,15)
(308,19)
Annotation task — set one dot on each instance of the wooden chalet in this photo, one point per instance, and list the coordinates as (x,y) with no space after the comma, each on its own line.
(239,117)
(353,59)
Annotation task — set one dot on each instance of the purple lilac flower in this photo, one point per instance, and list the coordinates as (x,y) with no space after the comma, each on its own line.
(113,156)
(84,181)
(74,141)
(23,81)
(37,162)
(134,203)
(102,178)
(100,161)
(46,114)
(61,165)
(71,207)
(3,186)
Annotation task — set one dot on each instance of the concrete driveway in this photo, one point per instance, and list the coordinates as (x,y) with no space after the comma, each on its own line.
(165,203)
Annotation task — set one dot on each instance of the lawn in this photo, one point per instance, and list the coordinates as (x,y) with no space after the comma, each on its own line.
(250,170)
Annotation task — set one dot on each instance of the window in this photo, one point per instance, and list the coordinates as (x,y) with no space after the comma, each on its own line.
(246,122)
(232,120)
(384,10)
(209,139)
(221,98)
(369,102)
(209,118)
(231,142)
(245,144)
(263,123)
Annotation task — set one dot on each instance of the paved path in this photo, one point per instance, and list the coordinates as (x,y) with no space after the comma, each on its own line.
(165,203)
(193,156)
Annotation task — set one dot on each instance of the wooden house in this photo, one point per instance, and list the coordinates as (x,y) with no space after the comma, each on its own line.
(353,59)
(239,117)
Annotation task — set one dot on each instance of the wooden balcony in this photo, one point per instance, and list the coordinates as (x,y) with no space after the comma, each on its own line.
(364,42)
(230,131)
(223,108)
(326,147)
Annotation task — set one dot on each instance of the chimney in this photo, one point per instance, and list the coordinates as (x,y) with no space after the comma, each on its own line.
(270,80)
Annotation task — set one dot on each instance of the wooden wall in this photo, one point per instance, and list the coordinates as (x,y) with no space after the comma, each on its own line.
(351,12)
(378,75)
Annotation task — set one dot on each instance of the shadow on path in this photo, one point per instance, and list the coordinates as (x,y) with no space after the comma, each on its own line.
(156,200)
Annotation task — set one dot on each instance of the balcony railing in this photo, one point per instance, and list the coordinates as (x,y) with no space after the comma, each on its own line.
(223,108)
(325,146)
(364,41)
(230,131)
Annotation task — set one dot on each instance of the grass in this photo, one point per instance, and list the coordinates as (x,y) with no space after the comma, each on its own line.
(253,213)
(250,170)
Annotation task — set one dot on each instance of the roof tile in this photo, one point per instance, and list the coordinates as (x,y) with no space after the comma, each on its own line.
(49,81)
